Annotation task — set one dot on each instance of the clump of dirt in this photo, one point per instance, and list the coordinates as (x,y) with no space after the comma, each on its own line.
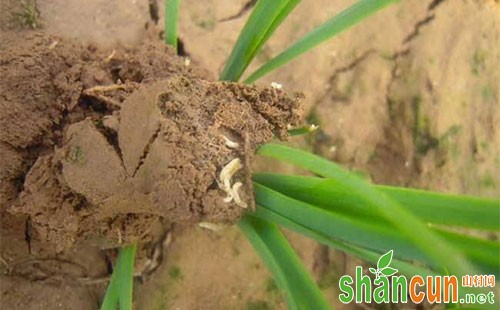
(110,147)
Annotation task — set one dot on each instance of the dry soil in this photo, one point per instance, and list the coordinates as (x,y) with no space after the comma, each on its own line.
(406,98)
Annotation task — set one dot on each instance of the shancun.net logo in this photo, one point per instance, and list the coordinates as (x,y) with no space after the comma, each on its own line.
(387,287)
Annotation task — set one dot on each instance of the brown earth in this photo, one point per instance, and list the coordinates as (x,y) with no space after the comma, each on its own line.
(166,169)
(405,98)
(78,168)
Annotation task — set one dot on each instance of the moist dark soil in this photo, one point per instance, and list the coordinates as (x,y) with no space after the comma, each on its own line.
(104,148)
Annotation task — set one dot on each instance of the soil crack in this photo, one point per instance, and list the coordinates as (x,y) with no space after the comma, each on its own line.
(154,11)
(332,80)
(405,45)
(146,149)
(246,7)
(352,65)
(424,21)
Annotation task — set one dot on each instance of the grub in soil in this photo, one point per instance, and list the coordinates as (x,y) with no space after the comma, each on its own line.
(109,147)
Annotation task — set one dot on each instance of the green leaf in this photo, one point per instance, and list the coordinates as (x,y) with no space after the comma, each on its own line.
(445,209)
(120,287)
(289,273)
(409,269)
(385,260)
(335,197)
(364,232)
(347,18)
(372,233)
(171,22)
(359,232)
(363,253)
(388,271)
(282,15)
(404,222)
(435,208)
(266,16)
(481,252)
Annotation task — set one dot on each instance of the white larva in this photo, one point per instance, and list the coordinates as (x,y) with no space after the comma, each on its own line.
(229,143)
(276,85)
(225,176)
(236,196)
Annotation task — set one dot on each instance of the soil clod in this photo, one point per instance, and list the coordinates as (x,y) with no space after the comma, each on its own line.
(108,150)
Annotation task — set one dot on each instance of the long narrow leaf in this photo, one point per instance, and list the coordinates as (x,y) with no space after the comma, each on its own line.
(369,233)
(120,287)
(358,232)
(347,18)
(171,22)
(265,18)
(465,211)
(406,223)
(334,198)
(406,268)
(289,273)
(282,15)
(478,250)
(435,208)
